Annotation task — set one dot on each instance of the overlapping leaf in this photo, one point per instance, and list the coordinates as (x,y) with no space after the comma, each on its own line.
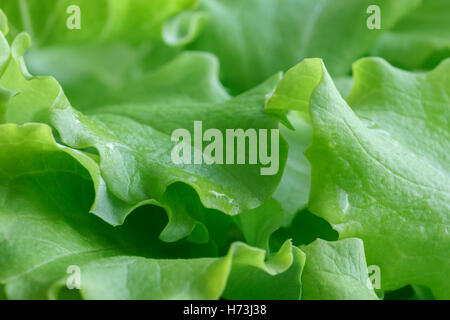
(117,40)
(133,137)
(380,165)
(45,228)
(419,41)
(336,271)
(100,21)
(378,159)
(254,39)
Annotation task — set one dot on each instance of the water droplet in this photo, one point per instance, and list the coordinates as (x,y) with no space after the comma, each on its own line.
(110,146)
(344,204)
(369,123)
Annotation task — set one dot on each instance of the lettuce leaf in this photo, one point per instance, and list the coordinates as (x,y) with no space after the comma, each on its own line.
(293,191)
(379,163)
(87,181)
(45,229)
(132,21)
(117,41)
(254,39)
(421,40)
(336,271)
(132,137)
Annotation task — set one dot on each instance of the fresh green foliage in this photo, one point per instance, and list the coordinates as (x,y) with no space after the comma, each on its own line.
(421,40)
(336,270)
(50,192)
(93,206)
(380,164)
(254,39)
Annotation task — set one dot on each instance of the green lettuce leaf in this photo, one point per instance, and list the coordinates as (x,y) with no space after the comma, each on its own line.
(45,228)
(117,41)
(87,181)
(336,271)
(133,137)
(101,21)
(380,165)
(251,281)
(259,224)
(201,278)
(293,191)
(419,41)
(255,39)
(140,133)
